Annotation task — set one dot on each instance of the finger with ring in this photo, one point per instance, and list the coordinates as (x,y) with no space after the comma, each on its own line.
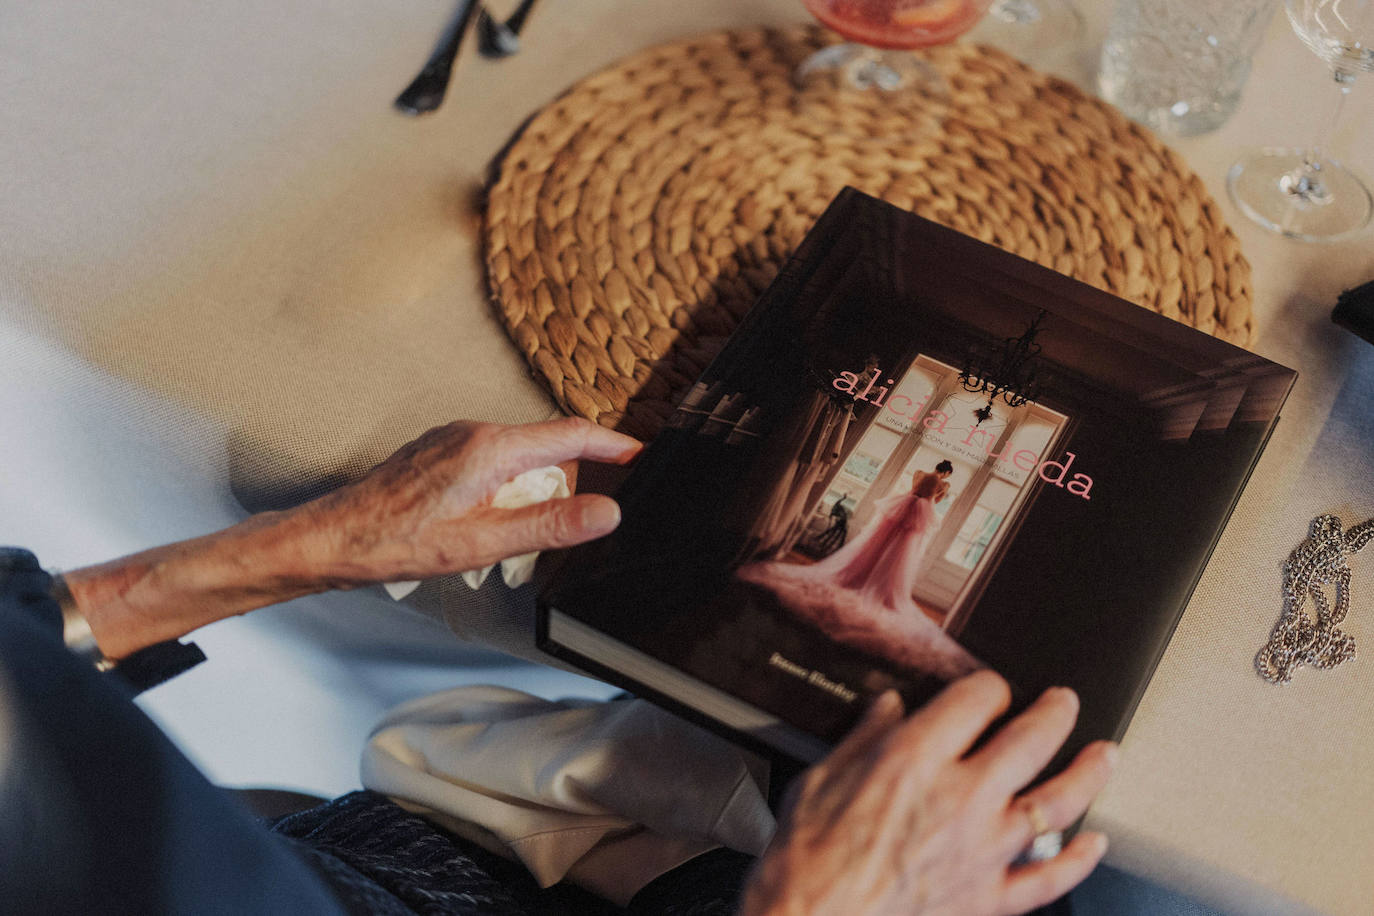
(1046,842)
(1054,805)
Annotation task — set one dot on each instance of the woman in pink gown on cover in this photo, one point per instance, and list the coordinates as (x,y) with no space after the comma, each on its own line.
(861,593)
(881,563)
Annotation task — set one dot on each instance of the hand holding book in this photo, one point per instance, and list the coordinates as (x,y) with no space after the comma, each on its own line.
(901,818)
(426,511)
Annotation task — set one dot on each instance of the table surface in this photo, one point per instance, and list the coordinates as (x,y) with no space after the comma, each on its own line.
(222,252)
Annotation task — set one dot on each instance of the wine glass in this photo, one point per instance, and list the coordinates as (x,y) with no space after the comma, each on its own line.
(1304,194)
(882,34)
(1032,30)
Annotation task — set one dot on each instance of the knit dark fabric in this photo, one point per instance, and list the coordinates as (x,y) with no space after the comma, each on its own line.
(364,841)
(381,859)
(709,885)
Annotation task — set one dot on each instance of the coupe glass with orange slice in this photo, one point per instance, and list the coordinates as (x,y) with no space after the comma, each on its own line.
(882,36)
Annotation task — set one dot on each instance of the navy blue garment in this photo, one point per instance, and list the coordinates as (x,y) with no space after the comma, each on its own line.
(99,812)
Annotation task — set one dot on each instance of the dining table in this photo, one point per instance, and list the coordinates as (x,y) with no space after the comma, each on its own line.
(233,276)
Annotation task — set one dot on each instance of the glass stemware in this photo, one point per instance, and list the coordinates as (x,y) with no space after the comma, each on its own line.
(1304,194)
(882,34)
(1032,30)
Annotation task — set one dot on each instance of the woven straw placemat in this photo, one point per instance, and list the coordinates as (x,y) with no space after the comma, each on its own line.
(636,218)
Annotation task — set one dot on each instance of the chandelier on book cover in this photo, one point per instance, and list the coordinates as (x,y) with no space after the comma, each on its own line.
(1010,371)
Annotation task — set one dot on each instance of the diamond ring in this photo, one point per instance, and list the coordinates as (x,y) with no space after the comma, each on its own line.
(1047,842)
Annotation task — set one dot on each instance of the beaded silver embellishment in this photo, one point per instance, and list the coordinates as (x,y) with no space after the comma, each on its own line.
(1317,562)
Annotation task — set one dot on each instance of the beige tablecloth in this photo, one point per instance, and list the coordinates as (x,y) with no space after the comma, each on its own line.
(214,224)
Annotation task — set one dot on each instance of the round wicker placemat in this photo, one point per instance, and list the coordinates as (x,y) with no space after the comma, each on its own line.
(636,218)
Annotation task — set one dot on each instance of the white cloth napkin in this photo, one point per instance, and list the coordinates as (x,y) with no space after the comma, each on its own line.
(534,486)
(609,795)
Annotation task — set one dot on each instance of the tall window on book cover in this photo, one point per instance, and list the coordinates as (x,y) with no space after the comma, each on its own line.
(928,419)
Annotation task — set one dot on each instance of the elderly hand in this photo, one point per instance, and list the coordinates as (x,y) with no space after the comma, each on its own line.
(902,819)
(426,511)
(423,512)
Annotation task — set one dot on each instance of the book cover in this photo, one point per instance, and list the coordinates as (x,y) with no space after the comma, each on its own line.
(917,456)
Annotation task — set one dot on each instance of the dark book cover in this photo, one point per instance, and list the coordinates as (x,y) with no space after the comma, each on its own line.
(918,455)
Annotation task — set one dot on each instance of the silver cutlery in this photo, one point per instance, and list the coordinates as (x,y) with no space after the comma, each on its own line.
(502,39)
(426,91)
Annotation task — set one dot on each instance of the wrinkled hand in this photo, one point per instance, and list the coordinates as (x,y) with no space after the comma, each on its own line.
(901,819)
(426,511)
(423,512)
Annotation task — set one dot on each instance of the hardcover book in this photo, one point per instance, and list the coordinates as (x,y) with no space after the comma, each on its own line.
(918,455)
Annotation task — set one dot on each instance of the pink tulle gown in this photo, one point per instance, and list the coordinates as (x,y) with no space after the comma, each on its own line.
(861,593)
(882,562)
